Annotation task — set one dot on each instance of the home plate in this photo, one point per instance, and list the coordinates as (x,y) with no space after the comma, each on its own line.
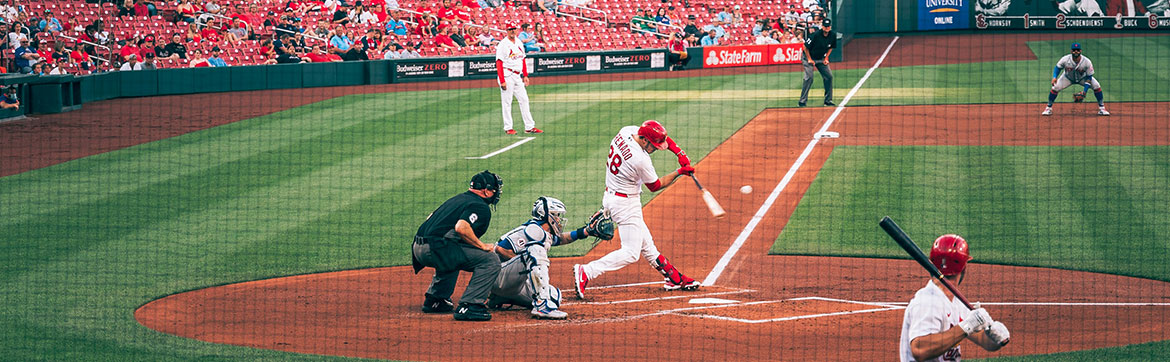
(712,301)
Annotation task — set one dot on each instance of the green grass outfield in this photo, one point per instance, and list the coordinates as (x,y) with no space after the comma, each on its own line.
(343,183)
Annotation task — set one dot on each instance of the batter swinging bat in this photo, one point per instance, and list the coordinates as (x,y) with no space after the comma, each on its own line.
(712,204)
(904,241)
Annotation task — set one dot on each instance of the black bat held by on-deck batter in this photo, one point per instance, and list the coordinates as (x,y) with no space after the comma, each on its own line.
(904,241)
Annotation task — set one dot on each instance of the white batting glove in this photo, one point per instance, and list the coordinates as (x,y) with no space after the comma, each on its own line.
(998,333)
(975,320)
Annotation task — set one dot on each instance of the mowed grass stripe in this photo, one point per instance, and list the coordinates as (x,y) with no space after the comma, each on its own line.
(117,215)
(91,179)
(1076,207)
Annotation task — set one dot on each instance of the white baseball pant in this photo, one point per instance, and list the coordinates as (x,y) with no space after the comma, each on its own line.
(515,88)
(635,236)
(1063,82)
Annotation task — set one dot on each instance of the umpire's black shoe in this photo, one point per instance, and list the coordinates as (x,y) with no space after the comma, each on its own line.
(436,305)
(800,104)
(830,103)
(472,312)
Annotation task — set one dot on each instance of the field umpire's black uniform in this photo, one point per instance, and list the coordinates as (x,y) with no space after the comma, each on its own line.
(439,245)
(817,47)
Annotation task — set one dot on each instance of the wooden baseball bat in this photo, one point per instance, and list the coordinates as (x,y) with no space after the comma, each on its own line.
(712,204)
(904,241)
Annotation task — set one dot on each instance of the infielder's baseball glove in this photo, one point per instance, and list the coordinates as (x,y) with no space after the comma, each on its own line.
(600,225)
(1079,97)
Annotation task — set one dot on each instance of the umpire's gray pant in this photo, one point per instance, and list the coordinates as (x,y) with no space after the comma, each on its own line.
(826,75)
(484,266)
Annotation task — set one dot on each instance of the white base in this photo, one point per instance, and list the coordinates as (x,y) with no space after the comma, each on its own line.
(827,134)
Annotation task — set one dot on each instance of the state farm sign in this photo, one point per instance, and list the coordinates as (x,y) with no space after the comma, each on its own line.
(748,55)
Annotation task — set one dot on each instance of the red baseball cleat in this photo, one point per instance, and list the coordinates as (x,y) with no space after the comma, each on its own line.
(580,280)
(511,131)
(534,130)
(685,283)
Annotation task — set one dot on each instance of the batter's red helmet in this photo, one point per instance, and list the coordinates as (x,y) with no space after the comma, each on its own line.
(949,254)
(653,132)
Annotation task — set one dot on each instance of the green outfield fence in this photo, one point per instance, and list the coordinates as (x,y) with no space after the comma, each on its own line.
(268,212)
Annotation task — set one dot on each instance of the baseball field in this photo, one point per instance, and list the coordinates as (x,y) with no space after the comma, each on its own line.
(277,224)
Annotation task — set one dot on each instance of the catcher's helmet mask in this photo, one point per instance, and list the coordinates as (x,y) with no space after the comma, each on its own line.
(488,181)
(554,216)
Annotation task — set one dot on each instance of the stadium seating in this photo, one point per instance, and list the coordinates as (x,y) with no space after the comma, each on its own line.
(562,33)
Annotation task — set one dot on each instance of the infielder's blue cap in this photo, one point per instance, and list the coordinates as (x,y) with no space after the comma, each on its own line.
(1076,46)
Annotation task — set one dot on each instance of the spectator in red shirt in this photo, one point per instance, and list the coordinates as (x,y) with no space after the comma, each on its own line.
(128,49)
(380,12)
(471,4)
(444,41)
(209,33)
(140,9)
(316,55)
(146,47)
(197,59)
(446,12)
(678,51)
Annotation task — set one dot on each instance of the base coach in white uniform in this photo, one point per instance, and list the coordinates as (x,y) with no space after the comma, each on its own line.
(512,75)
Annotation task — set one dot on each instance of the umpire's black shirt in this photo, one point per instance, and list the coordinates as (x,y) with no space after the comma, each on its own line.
(466,206)
(818,44)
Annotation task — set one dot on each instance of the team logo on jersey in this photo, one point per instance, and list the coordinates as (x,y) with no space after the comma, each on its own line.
(473,218)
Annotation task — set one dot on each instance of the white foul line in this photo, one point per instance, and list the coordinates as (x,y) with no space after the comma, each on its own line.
(502,150)
(751,225)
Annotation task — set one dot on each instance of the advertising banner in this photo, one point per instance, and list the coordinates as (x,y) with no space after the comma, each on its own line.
(1091,15)
(943,14)
(559,63)
(749,55)
(423,69)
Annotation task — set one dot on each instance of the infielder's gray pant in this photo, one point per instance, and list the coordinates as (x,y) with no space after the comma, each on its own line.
(484,266)
(826,75)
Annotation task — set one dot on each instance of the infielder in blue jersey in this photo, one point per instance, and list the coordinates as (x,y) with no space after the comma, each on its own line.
(1075,69)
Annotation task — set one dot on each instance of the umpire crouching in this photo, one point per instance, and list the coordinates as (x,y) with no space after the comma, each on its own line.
(817,47)
(449,242)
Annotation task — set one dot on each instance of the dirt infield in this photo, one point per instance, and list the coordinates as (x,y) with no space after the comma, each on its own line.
(775,307)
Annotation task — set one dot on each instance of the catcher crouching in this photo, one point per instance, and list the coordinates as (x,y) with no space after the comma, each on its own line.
(523,280)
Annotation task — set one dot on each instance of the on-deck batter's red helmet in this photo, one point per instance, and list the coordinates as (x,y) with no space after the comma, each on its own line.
(949,254)
(653,132)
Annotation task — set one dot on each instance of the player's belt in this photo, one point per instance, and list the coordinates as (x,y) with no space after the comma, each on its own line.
(617,193)
(513,71)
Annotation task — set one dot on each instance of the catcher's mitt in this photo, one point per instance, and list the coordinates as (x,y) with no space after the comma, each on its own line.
(1079,97)
(600,225)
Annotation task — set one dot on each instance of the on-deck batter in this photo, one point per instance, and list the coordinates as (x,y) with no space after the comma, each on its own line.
(1072,69)
(512,73)
(935,321)
(627,168)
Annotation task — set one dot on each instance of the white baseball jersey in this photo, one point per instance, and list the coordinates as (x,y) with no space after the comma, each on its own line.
(512,55)
(928,313)
(1076,72)
(628,166)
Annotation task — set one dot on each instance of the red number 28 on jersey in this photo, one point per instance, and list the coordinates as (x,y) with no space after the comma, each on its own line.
(615,161)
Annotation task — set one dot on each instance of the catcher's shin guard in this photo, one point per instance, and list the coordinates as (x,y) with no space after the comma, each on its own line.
(674,279)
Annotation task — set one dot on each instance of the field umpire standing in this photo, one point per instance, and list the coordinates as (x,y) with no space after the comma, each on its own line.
(449,242)
(817,47)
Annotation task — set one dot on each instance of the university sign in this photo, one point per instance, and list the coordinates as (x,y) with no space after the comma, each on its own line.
(943,14)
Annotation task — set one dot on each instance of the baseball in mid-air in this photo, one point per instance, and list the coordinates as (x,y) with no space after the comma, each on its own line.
(746,189)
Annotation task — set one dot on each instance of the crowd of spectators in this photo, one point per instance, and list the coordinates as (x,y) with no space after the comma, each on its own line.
(347,30)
